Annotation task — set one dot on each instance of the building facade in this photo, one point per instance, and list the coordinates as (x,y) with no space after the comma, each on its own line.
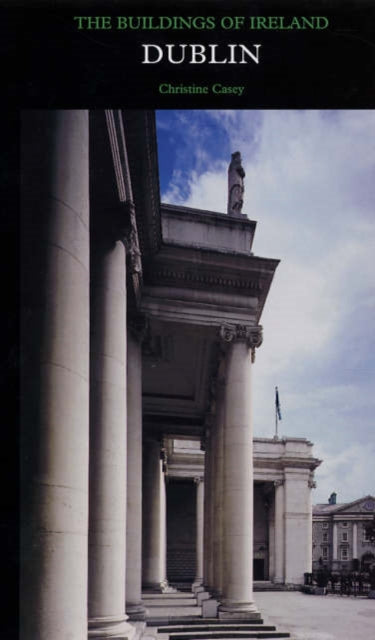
(140,324)
(283,479)
(340,541)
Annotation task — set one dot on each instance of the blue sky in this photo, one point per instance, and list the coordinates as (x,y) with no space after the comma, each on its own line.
(310,185)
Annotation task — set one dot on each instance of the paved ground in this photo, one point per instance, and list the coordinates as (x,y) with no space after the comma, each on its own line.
(309,617)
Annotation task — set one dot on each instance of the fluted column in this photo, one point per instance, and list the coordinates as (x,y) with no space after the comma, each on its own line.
(199,482)
(237,597)
(108,438)
(134,606)
(279,532)
(154,519)
(55,374)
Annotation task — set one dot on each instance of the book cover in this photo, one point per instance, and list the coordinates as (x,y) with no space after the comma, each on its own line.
(291,86)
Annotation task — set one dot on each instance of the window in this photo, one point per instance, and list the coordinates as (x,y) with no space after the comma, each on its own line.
(344,554)
(325,525)
(344,536)
(365,536)
(325,537)
(325,553)
(344,524)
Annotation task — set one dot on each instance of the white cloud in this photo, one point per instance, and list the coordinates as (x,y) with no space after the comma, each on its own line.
(347,471)
(309,184)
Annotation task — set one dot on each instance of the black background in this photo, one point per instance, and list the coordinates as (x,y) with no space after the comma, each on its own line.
(48,63)
(53,64)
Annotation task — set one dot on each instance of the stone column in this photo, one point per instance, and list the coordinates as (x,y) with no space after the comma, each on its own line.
(207,543)
(199,482)
(237,597)
(355,540)
(279,532)
(134,606)
(218,489)
(54,374)
(309,548)
(211,502)
(108,426)
(154,519)
(271,539)
(334,542)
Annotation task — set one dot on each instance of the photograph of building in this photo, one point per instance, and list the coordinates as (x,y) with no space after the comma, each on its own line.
(141,474)
(340,540)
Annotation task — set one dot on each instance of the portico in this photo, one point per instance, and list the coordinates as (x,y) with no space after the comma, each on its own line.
(140,328)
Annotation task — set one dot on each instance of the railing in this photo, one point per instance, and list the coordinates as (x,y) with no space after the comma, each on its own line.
(353,584)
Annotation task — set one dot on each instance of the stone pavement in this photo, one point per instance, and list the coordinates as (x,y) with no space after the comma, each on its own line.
(309,617)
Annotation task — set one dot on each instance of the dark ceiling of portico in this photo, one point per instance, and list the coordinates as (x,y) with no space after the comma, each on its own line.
(177,365)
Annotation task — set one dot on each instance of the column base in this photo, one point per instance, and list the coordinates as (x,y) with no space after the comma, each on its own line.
(136,611)
(197,585)
(238,610)
(110,627)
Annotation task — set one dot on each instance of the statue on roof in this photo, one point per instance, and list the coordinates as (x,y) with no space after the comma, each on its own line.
(236,187)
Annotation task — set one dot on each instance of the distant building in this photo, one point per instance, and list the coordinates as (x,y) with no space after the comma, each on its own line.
(339,534)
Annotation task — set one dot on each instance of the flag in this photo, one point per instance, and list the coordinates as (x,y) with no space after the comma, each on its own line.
(277,402)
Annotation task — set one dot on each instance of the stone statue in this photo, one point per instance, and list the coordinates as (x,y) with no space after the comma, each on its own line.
(236,187)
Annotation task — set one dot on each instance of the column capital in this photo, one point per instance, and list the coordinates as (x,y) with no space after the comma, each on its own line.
(311,484)
(198,480)
(252,335)
(278,483)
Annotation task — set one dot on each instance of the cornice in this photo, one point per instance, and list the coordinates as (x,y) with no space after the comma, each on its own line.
(281,463)
(199,279)
(140,129)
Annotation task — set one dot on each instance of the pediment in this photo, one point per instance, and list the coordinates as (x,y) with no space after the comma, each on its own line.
(363,505)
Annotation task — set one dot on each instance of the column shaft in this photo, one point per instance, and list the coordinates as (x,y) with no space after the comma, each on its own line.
(279,533)
(154,519)
(334,541)
(108,420)
(134,606)
(218,492)
(199,531)
(55,375)
(355,540)
(237,594)
(211,502)
(207,512)
(271,541)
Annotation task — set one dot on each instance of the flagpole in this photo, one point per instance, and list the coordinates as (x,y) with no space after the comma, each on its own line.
(277,413)
(276,421)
